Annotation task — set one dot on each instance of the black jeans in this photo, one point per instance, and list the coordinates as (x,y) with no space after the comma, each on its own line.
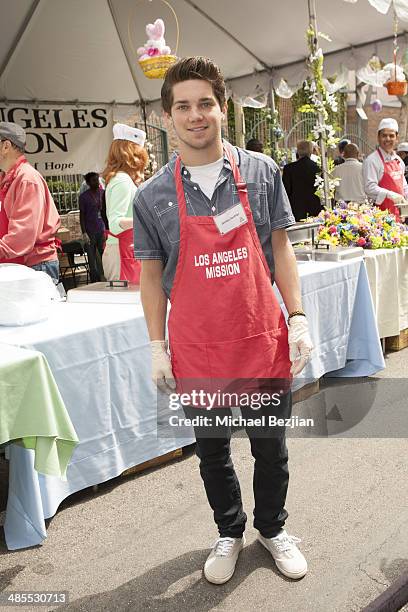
(271,474)
(94,251)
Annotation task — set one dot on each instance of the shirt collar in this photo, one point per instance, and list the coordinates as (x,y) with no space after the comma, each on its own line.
(227,165)
(386,155)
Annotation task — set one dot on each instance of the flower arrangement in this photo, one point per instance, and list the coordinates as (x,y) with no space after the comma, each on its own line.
(321,101)
(361,225)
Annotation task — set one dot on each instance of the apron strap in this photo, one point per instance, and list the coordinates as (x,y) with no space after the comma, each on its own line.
(381,156)
(182,205)
(239,182)
(181,198)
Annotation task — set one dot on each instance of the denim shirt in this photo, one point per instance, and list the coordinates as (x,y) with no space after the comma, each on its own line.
(155,208)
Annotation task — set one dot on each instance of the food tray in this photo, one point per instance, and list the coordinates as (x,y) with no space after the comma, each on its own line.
(102,293)
(303,232)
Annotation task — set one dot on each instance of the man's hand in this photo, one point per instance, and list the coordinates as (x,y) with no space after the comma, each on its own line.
(397,198)
(85,238)
(300,343)
(162,373)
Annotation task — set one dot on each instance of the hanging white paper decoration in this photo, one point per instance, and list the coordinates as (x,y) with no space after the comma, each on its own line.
(383,6)
(340,82)
(376,78)
(283,90)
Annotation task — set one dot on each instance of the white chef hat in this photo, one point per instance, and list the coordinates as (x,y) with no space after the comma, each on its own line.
(403,146)
(388,124)
(121,131)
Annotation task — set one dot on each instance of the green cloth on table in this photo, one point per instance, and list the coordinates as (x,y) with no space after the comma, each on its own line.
(32,411)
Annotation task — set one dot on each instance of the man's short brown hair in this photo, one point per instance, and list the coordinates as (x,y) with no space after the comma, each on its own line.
(351,151)
(193,68)
(304,148)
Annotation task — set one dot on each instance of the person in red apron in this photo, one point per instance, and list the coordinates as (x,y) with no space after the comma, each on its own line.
(226,329)
(127,160)
(28,216)
(384,170)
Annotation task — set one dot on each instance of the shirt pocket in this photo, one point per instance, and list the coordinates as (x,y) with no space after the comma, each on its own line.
(168,216)
(258,201)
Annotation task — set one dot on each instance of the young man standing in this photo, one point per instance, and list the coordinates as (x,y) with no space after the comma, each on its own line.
(215,202)
(28,216)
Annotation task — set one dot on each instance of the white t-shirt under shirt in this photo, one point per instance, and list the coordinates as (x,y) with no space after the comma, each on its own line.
(206,176)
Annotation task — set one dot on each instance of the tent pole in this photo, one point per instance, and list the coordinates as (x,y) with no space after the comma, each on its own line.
(239,119)
(322,144)
(272,106)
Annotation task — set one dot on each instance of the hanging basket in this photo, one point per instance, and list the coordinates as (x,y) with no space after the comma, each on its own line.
(157,66)
(397,88)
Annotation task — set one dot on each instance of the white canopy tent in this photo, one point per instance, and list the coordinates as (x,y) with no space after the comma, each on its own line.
(80,50)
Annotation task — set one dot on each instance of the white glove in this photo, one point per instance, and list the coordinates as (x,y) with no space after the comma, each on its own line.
(300,343)
(162,374)
(397,198)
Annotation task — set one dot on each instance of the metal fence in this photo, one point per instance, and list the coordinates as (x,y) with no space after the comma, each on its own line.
(296,128)
(157,137)
(358,133)
(258,127)
(299,131)
(65,191)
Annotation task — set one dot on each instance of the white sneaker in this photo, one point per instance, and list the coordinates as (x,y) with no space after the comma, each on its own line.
(288,558)
(220,564)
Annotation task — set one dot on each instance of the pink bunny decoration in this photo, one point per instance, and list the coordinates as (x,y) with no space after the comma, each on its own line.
(156,45)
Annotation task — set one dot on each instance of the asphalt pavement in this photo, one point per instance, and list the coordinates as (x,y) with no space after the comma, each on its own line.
(139,543)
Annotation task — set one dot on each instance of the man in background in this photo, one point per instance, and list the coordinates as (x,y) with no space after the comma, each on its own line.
(299,180)
(351,187)
(92,225)
(29,219)
(254,145)
(383,170)
(341,146)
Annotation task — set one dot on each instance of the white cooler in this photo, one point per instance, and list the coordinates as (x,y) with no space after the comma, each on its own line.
(103,293)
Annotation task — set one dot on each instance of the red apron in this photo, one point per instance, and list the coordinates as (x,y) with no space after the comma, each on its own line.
(129,267)
(392,180)
(225,321)
(4,221)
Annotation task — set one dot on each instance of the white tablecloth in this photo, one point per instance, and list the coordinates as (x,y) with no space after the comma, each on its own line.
(387,271)
(100,357)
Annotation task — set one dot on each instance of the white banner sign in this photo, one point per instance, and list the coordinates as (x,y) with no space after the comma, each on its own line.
(64,139)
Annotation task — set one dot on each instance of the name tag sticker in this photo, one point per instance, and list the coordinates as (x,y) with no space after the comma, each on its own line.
(230,219)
